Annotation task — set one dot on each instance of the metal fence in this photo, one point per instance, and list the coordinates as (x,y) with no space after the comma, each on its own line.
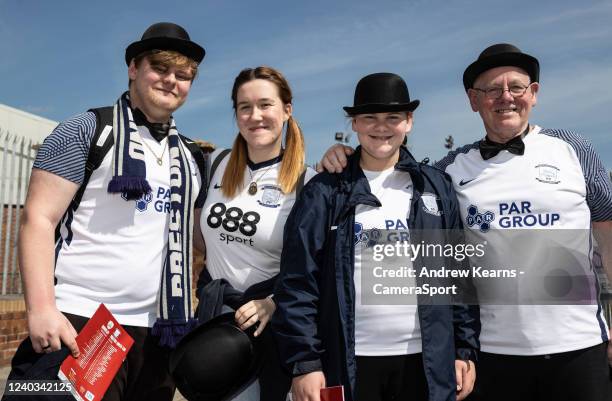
(16,158)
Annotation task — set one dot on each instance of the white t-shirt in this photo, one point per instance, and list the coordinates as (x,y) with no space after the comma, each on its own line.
(244,235)
(383,330)
(550,187)
(113,250)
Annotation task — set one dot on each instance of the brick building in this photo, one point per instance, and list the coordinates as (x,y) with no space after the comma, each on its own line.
(20,131)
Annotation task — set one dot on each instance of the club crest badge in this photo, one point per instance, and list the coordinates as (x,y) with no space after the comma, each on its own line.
(547,174)
(431,204)
(270,196)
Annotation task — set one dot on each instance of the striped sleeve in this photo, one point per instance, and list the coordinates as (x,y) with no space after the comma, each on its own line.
(598,184)
(450,157)
(64,152)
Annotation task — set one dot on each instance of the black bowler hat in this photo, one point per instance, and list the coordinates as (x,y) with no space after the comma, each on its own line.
(501,55)
(215,361)
(382,92)
(165,36)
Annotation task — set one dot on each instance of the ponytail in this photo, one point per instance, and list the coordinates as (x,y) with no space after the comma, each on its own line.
(293,158)
(233,175)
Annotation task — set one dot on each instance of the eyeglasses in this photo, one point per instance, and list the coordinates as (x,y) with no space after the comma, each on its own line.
(496,92)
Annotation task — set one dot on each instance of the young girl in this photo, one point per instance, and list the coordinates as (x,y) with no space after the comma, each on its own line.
(326,333)
(250,195)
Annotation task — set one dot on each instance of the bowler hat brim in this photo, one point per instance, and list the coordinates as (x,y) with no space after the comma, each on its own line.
(521,60)
(381,108)
(214,361)
(185,47)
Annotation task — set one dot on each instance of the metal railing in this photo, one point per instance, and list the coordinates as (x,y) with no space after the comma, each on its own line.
(16,158)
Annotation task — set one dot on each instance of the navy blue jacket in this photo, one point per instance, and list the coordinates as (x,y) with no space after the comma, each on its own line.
(314,322)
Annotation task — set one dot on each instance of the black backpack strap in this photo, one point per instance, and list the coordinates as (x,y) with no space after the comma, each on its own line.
(215,164)
(198,155)
(101,142)
(202,162)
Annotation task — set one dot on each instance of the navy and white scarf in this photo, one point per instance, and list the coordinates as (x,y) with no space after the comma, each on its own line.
(175,310)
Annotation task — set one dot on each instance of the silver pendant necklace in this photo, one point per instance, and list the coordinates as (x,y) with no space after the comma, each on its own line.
(160,158)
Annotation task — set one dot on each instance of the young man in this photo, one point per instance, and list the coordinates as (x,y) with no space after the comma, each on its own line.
(531,352)
(129,225)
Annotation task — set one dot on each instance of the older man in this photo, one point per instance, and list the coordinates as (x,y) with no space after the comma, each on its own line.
(530,352)
(551,352)
(120,184)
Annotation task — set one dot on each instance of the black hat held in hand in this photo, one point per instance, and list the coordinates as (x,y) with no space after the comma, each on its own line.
(215,361)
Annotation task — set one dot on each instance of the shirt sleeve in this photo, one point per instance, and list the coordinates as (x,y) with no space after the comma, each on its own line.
(64,152)
(597,180)
(599,189)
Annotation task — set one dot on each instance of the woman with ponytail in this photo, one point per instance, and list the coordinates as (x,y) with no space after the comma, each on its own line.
(251,192)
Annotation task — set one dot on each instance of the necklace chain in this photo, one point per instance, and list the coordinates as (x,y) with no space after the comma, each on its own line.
(253,185)
(160,157)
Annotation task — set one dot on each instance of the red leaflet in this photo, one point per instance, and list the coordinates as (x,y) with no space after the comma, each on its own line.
(335,393)
(103,344)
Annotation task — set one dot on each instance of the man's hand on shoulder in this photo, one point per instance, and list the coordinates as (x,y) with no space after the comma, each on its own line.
(335,159)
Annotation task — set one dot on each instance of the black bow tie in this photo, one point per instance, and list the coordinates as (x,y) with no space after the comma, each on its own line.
(489,149)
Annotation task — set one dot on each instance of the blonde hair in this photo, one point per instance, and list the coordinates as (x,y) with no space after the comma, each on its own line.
(292,164)
(167,58)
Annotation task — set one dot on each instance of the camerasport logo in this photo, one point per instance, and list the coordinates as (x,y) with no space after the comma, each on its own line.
(234,221)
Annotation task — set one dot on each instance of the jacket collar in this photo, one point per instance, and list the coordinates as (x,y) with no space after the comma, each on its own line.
(353,181)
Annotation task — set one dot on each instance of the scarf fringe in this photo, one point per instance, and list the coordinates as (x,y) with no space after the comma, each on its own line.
(170,332)
(133,187)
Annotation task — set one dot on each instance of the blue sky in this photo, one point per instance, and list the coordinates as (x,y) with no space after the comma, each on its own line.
(62,57)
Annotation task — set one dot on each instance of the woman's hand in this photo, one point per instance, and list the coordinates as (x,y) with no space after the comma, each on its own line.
(308,387)
(259,310)
(466,376)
